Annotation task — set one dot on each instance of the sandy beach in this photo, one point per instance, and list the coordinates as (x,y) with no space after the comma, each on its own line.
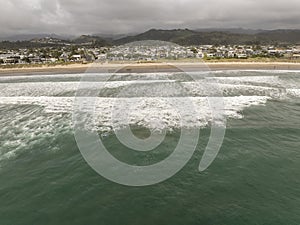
(149,68)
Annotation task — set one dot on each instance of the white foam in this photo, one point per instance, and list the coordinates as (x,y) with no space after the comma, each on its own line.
(247,79)
(214,86)
(22,129)
(144,110)
(293,92)
(9,78)
(234,72)
(60,88)
(83,76)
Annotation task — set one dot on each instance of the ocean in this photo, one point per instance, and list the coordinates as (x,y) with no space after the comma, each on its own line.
(254,179)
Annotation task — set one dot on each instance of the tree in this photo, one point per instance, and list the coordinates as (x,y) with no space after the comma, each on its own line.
(194,50)
(56,54)
(26,59)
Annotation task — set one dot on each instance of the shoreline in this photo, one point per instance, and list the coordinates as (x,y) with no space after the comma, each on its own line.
(149,67)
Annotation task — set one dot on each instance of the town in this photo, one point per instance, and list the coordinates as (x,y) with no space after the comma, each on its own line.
(144,53)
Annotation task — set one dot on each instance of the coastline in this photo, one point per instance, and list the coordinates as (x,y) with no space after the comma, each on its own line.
(149,67)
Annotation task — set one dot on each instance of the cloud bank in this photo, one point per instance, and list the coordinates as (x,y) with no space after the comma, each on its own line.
(126,16)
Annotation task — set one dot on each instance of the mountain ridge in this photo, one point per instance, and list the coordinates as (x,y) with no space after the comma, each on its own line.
(178,36)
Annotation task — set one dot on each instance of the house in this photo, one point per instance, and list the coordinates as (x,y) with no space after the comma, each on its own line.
(76,58)
(230,54)
(11,59)
(242,56)
(64,57)
(210,55)
(200,55)
(102,56)
(35,60)
(296,56)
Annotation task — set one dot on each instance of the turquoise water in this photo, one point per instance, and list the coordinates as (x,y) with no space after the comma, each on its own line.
(254,179)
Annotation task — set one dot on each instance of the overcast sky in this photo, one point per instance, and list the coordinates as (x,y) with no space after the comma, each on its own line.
(125,16)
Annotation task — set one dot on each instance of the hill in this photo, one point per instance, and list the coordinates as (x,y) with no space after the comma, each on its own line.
(84,40)
(162,35)
(280,36)
(94,41)
(191,37)
(178,36)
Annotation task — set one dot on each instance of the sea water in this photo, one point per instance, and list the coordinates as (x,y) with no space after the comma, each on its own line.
(254,179)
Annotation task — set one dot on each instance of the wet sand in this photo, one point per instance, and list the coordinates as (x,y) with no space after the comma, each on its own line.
(148,68)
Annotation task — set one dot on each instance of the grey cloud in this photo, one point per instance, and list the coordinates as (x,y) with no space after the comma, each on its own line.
(122,16)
